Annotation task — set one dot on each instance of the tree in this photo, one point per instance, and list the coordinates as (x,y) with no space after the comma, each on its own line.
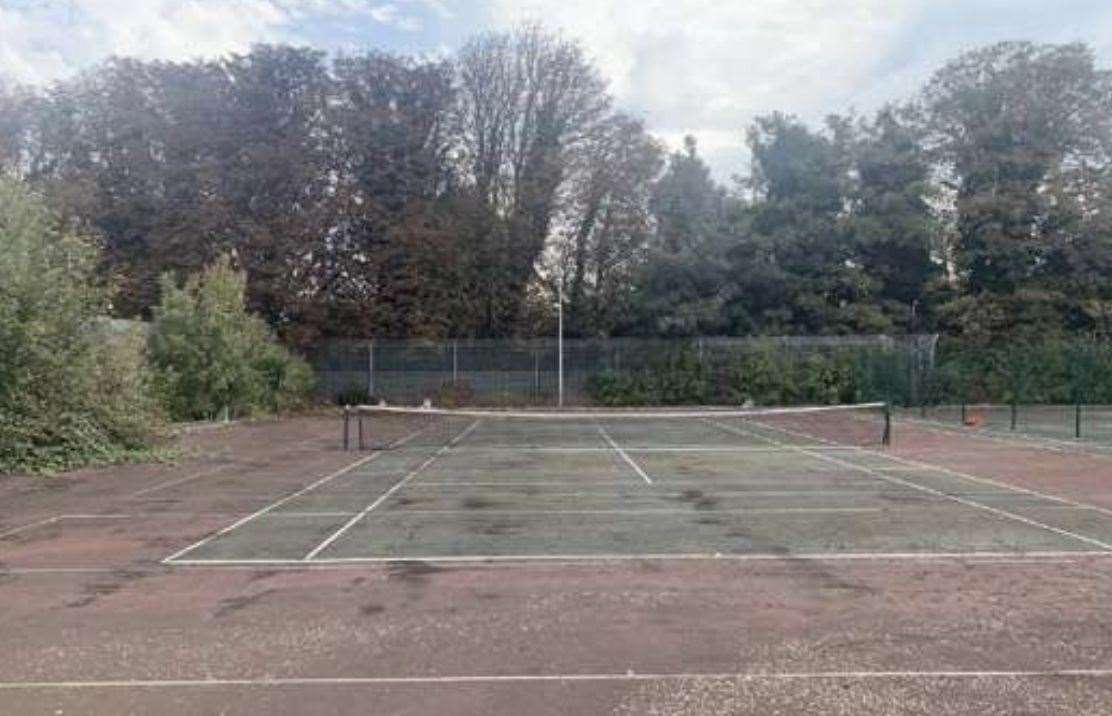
(795,263)
(684,284)
(608,224)
(213,357)
(1010,123)
(71,393)
(891,221)
(528,101)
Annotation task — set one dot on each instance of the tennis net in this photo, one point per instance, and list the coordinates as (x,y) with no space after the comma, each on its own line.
(386,427)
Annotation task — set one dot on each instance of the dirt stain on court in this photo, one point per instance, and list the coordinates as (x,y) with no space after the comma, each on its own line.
(414,570)
(234,604)
(94,591)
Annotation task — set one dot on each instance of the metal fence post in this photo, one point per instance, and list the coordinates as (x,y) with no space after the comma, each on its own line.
(370,370)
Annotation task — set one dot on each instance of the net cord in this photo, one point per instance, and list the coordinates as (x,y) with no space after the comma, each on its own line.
(614,414)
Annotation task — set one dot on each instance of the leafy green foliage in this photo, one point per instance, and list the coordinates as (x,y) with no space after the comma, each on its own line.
(71,392)
(758,377)
(213,357)
(384,195)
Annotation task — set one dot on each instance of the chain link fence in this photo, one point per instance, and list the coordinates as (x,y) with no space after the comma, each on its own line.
(1054,388)
(628,371)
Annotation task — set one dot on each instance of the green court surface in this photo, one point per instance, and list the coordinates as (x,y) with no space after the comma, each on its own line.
(475,488)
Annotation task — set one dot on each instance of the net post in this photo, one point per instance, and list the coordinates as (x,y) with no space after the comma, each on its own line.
(347,421)
(1077,420)
(359,420)
(1015,410)
(886,439)
(964,413)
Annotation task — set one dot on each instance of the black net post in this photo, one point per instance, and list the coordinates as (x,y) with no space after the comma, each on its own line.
(1015,411)
(1077,420)
(886,439)
(964,412)
(362,441)
(347,422)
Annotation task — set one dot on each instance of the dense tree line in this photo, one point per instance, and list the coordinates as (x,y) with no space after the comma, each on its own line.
(375,194)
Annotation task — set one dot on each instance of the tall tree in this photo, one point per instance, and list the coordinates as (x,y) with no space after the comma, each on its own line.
(528,100)
(684,284)
(1006,121)
(608,224)
(891,221)
(796,264)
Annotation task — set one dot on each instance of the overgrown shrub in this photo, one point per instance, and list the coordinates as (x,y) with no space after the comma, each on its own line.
(214,358)
(71,392)
(455,394)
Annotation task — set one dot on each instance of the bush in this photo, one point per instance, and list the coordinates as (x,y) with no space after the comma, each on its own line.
(214,358)
(71,393)
(354,394)
(455,394)
(757,377)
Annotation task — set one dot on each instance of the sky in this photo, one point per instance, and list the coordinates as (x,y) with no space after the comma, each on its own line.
(700,67)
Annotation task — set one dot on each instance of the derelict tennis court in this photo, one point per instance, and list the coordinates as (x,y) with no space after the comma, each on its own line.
(474,487)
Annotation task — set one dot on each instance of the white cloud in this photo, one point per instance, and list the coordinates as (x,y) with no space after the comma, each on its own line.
(708,67)
(44,40)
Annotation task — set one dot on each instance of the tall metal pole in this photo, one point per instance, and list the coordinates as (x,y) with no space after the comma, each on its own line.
(560,344)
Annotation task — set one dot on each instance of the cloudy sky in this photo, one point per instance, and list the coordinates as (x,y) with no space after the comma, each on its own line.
(703,67)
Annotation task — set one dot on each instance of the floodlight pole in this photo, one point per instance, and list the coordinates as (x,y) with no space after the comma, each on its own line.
(560,343)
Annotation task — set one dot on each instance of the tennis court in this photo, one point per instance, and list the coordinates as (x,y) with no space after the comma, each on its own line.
(707,562)
(483,486)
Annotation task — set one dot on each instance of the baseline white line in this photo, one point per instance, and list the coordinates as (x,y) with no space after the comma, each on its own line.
(741,676)
(526,561)
(625,456)
(659,557)
(308,488)
(693,512)
(522,484)
(929,490)
(642,448)
(386,495)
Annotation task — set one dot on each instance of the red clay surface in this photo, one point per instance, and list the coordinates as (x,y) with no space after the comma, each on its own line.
(93,623)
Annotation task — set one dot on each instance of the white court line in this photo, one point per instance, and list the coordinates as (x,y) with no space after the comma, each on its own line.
(181,480)
(386,495)
(968,559)
(284,500)
(737,676)
(41,523)
(644,448)
(526,559)
(930,490)
(522,483)
(692,512)
(625,456)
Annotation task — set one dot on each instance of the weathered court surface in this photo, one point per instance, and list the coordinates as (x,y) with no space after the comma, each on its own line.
(702,566)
